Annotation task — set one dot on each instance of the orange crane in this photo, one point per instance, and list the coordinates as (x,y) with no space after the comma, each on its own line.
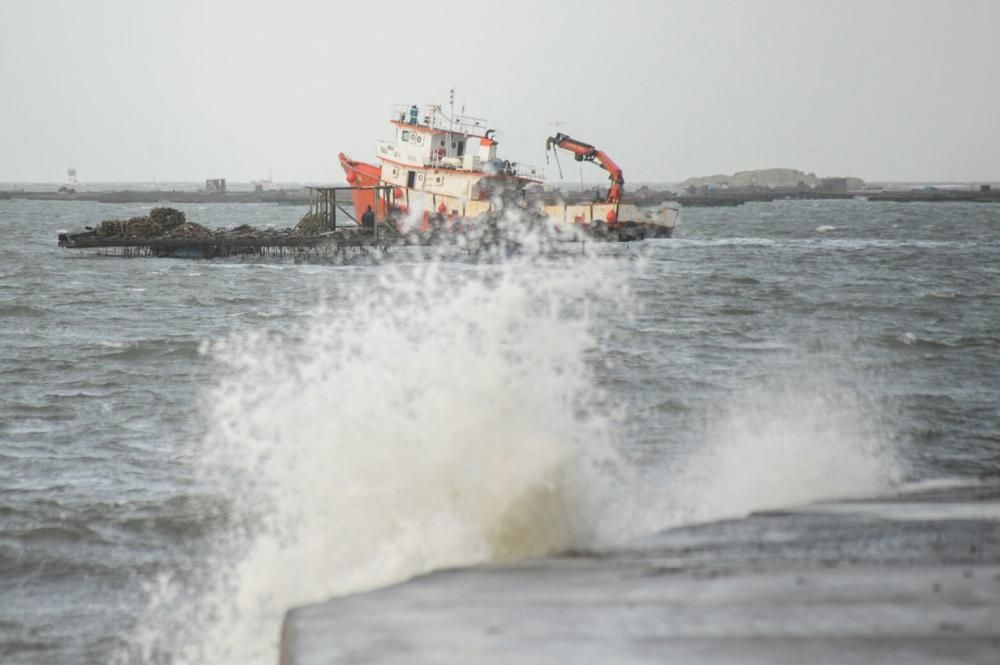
(584,152)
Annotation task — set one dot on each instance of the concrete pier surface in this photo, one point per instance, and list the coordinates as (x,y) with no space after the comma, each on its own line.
(910,578)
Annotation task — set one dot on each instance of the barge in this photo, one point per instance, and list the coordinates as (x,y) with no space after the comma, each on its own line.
(166,233)
(439,181)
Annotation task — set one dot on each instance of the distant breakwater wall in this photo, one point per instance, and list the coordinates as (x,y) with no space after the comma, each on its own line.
(735,198)
(716,198)
(292,197)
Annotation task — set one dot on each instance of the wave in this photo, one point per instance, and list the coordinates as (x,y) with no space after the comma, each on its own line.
(39,411)
(150,349)
(722,242)
(448,418)
(66,533)
(18,645)
(940,295)
(21,311)
(671,406)
(180,517)
(27,563)
(737,311)
(883,243)
(805,437)
(918,342)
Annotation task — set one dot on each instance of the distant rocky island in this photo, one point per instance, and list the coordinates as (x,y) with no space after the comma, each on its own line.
(783,179)
(764,185)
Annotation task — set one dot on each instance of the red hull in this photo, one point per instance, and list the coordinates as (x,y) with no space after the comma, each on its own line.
(361,174)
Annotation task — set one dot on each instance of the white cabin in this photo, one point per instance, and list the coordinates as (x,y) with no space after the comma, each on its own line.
(444,156)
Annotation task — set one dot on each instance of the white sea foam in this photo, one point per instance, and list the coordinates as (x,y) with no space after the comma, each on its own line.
(447,417)
(802,438)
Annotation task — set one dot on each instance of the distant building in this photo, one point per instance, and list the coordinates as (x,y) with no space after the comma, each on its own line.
(71,182)
(215,186)
(264,185)
(833,185)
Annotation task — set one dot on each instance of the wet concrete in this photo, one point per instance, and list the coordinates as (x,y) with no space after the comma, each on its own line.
(911,578)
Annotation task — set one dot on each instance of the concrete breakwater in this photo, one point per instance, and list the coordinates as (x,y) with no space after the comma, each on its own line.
(909,578)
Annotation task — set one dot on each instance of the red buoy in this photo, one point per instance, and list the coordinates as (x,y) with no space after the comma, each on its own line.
(398,192)
(352,177)
(442,208)
(612,217)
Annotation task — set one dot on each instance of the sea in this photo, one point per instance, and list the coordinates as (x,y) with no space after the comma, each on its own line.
(189,448)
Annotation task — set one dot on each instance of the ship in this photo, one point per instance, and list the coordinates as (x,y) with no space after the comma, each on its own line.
(442,170)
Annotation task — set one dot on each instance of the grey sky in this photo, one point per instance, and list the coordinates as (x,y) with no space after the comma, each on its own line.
(184,90)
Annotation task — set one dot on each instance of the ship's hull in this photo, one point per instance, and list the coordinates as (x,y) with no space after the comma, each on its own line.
(425,210)
(360,175)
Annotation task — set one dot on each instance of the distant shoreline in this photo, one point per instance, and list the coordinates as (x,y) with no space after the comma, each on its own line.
(298,194)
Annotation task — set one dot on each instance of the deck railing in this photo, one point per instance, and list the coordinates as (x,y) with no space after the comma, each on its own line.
(434,117)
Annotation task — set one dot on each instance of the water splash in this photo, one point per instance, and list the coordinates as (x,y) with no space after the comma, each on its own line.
(796,438)
(444,416)
(448,414)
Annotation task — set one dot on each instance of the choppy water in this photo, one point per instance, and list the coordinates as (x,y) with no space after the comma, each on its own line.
(187,448)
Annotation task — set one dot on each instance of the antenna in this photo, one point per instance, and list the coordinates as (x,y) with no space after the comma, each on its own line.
(451,102)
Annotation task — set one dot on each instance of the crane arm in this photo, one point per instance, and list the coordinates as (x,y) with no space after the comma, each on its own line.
(584,152)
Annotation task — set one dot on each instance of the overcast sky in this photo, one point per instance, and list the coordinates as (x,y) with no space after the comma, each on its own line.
(185,90)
